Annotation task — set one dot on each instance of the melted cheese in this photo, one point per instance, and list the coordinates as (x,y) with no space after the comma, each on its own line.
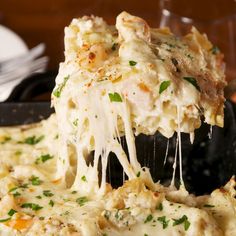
(115,81)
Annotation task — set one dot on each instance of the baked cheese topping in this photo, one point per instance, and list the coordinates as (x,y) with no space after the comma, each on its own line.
(131,79)
(33,202)
(115,81)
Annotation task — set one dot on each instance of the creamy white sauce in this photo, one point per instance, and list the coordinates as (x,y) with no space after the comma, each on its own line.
(103,93)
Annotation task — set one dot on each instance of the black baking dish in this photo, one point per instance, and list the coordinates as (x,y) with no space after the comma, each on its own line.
(207,164)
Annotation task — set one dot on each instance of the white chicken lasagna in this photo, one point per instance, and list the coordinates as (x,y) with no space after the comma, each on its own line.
(116,81)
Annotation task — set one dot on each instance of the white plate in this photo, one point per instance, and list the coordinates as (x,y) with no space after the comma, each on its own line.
(11,44)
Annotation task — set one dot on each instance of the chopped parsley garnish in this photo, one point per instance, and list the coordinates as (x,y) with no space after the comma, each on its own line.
(114,46)
(66,213)
(33,206)
(82,200)
(4,220)
(145,234)
(11,212)
(182,220)
(47,193)
(51,203)
(215,50)
(164,85)
(43,158)
(186,225)
(208,205)
(12,189)
(18,153)
(73,192)
(57,92)
(16,194)
(163,221)
(75,122)
(39,197)
(115,97)
(159,207)
(132,63)
(6,139)
(138,174)
(35,180)
(83,178)
(33,140)
(148,219)
(107,214)
(23,186)
(192,81)
(118,216)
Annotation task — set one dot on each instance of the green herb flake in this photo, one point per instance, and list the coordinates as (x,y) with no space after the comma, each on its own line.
(159,207)
(145,234)
(115,97)
(182,220)
(6,139)
(57,92)
(107,214)
(12,189)
(138,174)
(33,206)
(83,178)
(39,197)
(82,200)
(66,213)
(117,215)
(215,50)
(47,193)
(75,122)
(43,158)
(186,225)
(164,85)
(51,203)
(148,219)
(18,153)
(23,186)
(163,221)
(35,180)
(33,140)
(41,218)
(11,212)
(192,81)
(73,192)
(4,220)
(208,205)
(16,194)
(132,63)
